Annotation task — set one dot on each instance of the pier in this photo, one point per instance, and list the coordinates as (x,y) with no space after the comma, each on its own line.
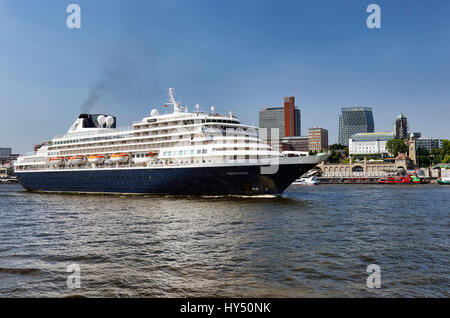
(370,171)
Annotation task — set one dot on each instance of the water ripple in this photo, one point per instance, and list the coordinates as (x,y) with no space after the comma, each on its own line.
(313,242)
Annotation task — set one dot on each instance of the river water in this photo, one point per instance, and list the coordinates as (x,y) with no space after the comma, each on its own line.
(313,242)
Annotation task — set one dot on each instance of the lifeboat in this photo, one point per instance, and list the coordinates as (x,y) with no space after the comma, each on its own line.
(97,159)
(120,157)
(57,161)
(77,160)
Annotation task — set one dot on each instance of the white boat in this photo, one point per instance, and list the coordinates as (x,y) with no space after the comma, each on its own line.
(313,180)
(444,180)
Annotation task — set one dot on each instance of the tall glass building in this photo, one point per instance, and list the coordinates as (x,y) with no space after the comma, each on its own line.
(401,127)
(354,120)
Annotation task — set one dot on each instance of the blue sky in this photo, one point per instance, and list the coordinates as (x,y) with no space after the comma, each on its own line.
(237,55)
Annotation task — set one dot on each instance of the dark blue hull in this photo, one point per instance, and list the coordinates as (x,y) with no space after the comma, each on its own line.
(222,180)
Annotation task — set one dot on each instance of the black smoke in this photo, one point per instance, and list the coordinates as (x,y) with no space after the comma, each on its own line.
(124,82)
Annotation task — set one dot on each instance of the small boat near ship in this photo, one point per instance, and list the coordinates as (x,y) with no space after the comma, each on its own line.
(313,180)
(408,179)
(444,180)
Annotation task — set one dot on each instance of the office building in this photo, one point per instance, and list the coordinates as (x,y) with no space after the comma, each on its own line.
(354,120)
(401,127)
(317,139)
(428,143)
(286,118)
(5,152)
(6,156)
(370,143)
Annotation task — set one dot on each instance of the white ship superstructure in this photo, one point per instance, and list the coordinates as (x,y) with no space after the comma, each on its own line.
(178,138)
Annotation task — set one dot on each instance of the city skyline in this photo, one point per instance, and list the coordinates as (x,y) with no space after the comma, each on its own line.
(236,56)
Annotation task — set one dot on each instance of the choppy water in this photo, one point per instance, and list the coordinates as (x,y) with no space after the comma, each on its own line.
(314,242)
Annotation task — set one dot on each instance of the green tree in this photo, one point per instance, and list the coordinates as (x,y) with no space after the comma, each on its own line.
(424,161)
(396,146)
(445,147)
(422,152)
(441,155)
(337,147)
(423,157)
(335,157)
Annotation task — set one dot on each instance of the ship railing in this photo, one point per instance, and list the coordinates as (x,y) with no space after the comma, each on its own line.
(95,133)
(222,115)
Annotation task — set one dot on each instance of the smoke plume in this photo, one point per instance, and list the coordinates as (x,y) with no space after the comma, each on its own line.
(121,84)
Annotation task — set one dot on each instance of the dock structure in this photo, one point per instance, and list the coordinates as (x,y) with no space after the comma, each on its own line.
(370,171)
(364,171)
(366,168)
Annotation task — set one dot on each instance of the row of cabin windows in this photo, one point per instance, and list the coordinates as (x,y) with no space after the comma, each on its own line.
(185,152)
(74,141)
(138,155)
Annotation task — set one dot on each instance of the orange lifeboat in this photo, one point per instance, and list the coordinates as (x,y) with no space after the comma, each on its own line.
(57,161)
(77,160)
(97,159)
(120,157)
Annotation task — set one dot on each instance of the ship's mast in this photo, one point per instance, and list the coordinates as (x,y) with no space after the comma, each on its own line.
(172,101)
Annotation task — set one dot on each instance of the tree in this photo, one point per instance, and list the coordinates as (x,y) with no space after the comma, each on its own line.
(441,155)
(337,147)
(445,148)
(423,157)
(335,157)
(423,161)
(396,146)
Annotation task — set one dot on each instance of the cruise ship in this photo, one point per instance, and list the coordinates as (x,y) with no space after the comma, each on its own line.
(175,152)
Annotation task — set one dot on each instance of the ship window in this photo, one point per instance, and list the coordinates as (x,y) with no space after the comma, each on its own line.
(199,151)
(204,150)
(180,153)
